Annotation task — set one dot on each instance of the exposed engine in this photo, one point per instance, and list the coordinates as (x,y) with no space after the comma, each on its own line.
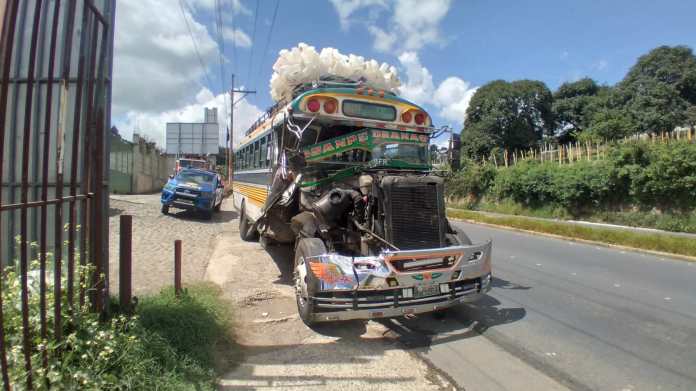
(367,214)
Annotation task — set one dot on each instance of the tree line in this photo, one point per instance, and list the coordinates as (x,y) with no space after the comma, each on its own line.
(657,94)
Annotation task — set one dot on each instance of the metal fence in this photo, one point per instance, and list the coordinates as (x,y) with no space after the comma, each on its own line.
(55,67)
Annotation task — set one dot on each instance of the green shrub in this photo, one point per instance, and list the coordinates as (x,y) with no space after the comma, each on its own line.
(640,183)
(169,344)
(669,179)
(529,183)
(473,180)
(584,185)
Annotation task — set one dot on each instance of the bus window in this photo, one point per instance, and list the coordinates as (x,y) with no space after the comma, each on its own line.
(256,154)
(262,146)
(269,150)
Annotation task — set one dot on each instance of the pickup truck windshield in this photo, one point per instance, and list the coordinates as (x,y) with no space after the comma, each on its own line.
(195,177)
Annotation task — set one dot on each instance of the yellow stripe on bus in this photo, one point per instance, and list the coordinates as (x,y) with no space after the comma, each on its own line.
(256,194)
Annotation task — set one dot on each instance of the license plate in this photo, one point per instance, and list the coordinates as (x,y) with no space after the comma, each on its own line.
(426,290)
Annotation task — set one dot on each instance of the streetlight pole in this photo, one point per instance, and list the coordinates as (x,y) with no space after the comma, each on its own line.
(230,131)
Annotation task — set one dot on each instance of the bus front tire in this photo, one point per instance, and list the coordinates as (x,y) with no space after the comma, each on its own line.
(247,231)
(165,209)
(306,248)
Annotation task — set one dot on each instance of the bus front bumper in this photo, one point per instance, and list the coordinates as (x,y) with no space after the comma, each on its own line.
(381,304)
(398,283)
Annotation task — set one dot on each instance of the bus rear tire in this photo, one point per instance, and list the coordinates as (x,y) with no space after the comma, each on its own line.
(247,231)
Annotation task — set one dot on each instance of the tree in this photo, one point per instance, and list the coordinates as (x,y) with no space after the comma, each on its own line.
(574,104)
(512,115)
(659,91)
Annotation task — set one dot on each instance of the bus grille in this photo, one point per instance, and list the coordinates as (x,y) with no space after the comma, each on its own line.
(413,215)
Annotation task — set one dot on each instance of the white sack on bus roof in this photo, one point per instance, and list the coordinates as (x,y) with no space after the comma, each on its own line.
(303,64)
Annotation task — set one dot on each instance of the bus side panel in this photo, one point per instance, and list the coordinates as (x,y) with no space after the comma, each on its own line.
(251,208)
(253,194)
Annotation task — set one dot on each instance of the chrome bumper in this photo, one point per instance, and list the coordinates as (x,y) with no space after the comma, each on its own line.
(392,303)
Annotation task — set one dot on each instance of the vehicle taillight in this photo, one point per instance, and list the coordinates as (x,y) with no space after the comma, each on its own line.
(313,105)
(406,117)
(330,106)
(420,119)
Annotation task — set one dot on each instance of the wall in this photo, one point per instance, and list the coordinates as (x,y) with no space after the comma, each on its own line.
(137,167)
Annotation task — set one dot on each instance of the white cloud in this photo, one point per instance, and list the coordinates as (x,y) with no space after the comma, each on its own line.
(346,8)
(418,84)
(239,37)
(419,21)
(156,70)
(235,6)
(157,76)
(153,125)
(451,97)
(414,22)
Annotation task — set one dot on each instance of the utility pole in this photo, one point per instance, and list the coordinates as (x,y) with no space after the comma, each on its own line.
(231,129)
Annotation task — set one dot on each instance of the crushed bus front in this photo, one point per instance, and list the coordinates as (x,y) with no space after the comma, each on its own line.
(396,283)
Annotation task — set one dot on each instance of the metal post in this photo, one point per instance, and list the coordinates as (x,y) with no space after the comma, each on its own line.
(177,267)
(125,262)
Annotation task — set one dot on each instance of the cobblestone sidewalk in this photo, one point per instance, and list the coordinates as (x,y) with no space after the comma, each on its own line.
(153,241)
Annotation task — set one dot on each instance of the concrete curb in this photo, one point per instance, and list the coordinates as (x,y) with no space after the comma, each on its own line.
(616,246)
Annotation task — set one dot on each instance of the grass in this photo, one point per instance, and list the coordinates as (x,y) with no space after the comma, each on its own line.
(191,335)
(654,242)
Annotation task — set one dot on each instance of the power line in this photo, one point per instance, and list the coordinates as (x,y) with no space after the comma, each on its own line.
(195,46)
(234,41)
(270,34)
(253,41)
(221,53)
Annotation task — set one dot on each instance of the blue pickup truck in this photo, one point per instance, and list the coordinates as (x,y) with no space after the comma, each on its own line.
(193,189)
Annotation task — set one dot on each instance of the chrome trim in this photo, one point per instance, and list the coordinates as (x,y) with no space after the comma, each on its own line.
(393,312)
(402,304)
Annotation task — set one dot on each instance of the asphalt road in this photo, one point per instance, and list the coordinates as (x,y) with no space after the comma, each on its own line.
(590,317)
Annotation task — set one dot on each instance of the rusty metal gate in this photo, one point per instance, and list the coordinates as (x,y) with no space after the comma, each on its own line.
(55,69)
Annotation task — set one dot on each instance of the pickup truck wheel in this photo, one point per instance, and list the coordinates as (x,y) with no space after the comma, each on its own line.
(247,231)
(307,247)
(207,214)
(165,209)
(217,207)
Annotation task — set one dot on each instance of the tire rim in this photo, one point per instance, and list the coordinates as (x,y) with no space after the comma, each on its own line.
(300,283)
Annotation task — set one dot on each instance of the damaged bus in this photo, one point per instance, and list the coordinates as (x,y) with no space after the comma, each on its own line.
(342,172)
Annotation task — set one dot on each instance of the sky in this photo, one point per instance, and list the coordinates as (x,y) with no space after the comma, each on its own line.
(172,58)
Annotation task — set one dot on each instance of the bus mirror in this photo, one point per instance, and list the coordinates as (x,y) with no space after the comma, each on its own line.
(455,152)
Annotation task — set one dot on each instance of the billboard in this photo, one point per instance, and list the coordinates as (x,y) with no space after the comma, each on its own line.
(192,138)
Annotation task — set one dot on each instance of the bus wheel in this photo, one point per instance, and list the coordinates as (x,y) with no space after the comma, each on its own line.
(165,209)
(247,231)
(306,248)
